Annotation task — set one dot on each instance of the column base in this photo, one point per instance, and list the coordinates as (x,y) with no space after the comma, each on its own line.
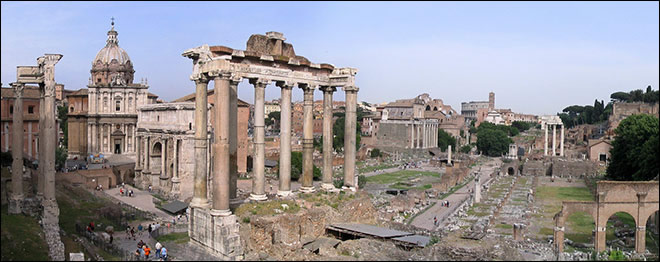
(307,189)
(258,197)
(200,203)
(15,205)
(285,193)
(346,188)
(220,212)
(329,187)
(217,234)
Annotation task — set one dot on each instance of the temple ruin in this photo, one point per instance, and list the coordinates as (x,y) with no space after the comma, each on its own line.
(267,59)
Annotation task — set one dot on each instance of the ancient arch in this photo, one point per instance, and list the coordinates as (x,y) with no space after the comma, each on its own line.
(428,108)
(510,171)
(639,199)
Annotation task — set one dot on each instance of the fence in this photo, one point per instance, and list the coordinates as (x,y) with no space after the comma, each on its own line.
(108,247)
(164,230)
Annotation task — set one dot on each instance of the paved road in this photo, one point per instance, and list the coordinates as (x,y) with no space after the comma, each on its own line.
(141,199)
(425,220)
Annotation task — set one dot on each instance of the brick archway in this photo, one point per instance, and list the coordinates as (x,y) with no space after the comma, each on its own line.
(639,199)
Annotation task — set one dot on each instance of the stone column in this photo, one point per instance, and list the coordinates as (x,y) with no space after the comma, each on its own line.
(16,199)
(600,239)
(477,190)
(327,137)
(163,158)
(89,139)
(284,188)
(308,138)
(349,137)
(221,145)
(40,143)
(200,199)
(50,131)
(554,140)
(449,155)
(561,141)
(412,134)
(233,137)
(545,141)
(258,164)
(559,239)
(640,239)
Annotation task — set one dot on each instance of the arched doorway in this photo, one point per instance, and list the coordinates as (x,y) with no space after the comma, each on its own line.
(580,228)
(652,228)
(511,171)
(156,153)
(620,231)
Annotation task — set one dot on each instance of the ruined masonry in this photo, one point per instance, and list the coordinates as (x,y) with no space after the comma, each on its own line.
(44,75)
(267,59)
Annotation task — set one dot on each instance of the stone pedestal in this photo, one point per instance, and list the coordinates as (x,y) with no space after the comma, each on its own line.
(218,233)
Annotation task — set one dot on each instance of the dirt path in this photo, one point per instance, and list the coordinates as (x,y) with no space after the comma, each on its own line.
(425,220)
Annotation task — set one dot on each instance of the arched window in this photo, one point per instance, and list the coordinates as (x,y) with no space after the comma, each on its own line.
(428,108)
(189,126)
(157,149)
(117,106)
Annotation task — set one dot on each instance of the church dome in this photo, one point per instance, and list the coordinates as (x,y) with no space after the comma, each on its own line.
(112,51)
(112,65)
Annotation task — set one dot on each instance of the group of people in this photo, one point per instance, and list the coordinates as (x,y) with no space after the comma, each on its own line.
(99,187)
(125,192)
(445,203)
(411,164)
(143,251)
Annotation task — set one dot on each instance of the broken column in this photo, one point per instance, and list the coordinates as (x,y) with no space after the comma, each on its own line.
(477,190)
(449,155)
(350,137)
(518,231)
(16,198)
(285,140)
(308,139)
(259,179)
(327,137)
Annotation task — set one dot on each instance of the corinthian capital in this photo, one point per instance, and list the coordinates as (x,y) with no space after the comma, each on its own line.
(328,89)
(18,89)
(349,89)
(259,82)
(222,74)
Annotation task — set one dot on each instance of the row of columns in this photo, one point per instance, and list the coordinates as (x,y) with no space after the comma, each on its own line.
(423,135)
(97,131)
(554,139)
(225,137)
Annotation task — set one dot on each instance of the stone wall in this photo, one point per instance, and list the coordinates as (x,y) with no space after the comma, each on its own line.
(577,168)
(393,136)
(535,168)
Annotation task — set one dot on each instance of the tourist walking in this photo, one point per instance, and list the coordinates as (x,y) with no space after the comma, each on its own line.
(163,254)
(158,247)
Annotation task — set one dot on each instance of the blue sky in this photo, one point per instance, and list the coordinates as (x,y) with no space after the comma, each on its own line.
(538,57)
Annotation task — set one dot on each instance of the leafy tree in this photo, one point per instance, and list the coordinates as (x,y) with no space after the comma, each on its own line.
(620,97)
(60,157)
(338,131)
(445,139)
(635,150)
(637,95)
(521,126)
(297,167)
(651,96)
(493,142)
(62,115)
(375,152)
(466,149)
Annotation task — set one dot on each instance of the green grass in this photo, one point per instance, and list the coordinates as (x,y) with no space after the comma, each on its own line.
(564,193)
(367,169)
(402,185)
(504,226)
(179,238)
(22,238)
(546,231)
(266,208)
(579,227)
(399,176)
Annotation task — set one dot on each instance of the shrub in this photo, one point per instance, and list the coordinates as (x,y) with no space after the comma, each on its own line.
(362,181)
(375,152)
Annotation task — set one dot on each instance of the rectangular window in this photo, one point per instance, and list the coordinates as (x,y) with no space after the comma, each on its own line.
(118,106)
(30,109)
(602,157)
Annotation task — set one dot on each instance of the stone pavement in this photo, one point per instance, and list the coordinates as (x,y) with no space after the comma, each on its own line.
(425,220)
(141,200)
